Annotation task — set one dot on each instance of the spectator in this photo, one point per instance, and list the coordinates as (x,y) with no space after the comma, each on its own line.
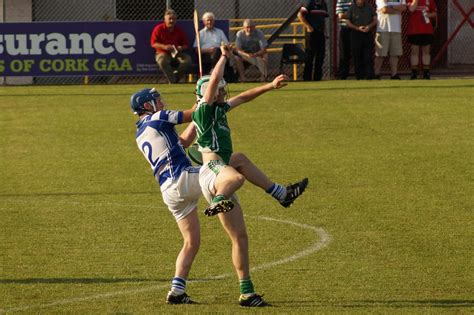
(388,39)
(344,39)
(170,43)
(420,34)
(211,39)
(251,47)
(312,15)
(361,19)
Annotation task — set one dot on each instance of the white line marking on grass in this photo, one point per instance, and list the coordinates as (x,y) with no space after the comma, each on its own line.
(323,241)
(83,299)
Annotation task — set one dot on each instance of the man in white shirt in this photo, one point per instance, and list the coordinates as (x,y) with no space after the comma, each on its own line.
(211,38)
(388,40)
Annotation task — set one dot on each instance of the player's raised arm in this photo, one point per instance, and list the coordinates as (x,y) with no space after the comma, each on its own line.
(216,76)
(244,97)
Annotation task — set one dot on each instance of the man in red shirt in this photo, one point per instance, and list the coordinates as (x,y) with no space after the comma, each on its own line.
(420,34)
(170,43)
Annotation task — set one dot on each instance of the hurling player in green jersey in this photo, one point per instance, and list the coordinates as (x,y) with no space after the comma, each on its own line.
(214,136)
(219,180)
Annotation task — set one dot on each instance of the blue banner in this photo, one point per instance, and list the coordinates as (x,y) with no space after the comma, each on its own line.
(82,48)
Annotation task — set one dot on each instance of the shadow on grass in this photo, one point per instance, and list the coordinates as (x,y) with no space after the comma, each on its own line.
(78,280)
(91,280)
(447,303)
(50,194)
(412,303)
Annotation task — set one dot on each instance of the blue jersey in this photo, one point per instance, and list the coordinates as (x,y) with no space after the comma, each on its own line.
(159,142)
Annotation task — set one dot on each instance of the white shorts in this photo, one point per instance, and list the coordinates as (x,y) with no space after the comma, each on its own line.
(182,195)
(207,177)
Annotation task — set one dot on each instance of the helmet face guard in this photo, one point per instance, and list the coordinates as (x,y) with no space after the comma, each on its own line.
(143,97)
(203,83)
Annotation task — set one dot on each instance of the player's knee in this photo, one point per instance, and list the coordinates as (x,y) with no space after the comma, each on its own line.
(238,159)
(239,237)
(242,238)
(240,179)
(192,244)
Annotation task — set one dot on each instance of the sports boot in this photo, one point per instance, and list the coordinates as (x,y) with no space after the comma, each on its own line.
(224,205)
(253,301)
(178,299)
(293,191)
(426,75)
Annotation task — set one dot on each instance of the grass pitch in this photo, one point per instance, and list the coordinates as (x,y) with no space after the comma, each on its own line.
(83,228)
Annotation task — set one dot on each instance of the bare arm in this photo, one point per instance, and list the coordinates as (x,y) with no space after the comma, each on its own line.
(216,75)
(393,9)
(187,136)
(350,25)
(241,52)
(162,46)
(373,23)
(303,20)
(262,52)
(432,14)
(412,6)
(187,114)
(244,97)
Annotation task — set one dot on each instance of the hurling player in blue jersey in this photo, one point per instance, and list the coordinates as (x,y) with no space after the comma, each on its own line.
(163,148)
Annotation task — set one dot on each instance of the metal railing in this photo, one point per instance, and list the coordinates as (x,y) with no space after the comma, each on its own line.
(449,52)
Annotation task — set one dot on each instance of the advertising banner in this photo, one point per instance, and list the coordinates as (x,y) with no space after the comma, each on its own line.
(82,48)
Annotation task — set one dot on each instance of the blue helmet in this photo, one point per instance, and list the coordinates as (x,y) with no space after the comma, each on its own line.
(140,98)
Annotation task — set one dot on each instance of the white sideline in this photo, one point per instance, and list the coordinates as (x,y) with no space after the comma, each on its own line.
(324,240)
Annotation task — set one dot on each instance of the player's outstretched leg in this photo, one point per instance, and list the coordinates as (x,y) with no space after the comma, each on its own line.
(293,191)
(219,205)
(254,300)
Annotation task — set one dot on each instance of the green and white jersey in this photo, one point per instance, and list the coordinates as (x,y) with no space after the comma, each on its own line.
(212,129)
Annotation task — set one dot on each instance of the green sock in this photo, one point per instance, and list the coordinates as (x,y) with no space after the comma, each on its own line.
(246,286)
(218,198)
